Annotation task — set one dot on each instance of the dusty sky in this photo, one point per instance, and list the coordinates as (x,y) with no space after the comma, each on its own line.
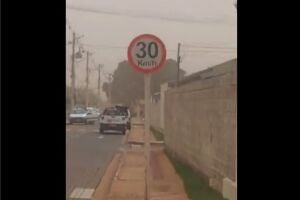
(207,30)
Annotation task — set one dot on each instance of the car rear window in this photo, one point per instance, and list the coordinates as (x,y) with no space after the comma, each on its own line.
(112,112)
(123,109)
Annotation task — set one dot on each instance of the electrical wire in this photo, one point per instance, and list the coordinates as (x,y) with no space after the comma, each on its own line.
(135,15)
(207,47)
(104,47)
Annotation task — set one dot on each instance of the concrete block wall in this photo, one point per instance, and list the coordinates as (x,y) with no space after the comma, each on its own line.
(157,109)
(163,88)
(155,114)
(200,120)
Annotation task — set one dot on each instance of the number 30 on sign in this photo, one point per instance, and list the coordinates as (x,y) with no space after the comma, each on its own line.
(146,53)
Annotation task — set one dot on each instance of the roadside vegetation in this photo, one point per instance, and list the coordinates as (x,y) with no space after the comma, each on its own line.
(80,97)
(157,134)
(125,79)
(196,186)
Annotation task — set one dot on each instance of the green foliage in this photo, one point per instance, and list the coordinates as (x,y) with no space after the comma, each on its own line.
(80,97)
(167,73)
(195,185)
(157,134)
(105,88)
(128,85)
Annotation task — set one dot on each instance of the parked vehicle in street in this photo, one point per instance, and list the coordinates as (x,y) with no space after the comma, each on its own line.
(113,119)
(95,111)
(85,116)
(126,110)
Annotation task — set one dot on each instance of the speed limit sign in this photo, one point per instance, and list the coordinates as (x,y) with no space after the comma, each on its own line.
(146,53)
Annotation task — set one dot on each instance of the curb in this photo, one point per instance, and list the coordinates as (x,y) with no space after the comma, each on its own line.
(138,124)
(103,188)
(142,143)
(125,138)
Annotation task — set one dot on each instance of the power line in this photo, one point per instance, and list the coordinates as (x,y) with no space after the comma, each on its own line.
(103,47)
(209,43)
(69,25)
(207,47)
(203,51)
(191,48)
(135,15)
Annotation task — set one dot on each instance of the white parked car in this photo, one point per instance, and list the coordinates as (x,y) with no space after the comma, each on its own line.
(95,111)
(83,116)
(113,119)
(126,111)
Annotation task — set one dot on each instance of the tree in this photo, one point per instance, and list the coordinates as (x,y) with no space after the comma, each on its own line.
(68,98)
(105,88)
(80,97)
(128,85)
(167,73)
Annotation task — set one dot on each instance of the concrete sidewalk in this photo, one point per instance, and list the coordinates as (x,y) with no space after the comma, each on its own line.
(165,184)
(129,180)
(137,136)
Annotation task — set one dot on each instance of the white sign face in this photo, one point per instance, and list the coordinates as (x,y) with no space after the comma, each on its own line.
(146,53)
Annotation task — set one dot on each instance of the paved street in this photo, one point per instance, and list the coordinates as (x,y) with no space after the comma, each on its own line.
(88,154)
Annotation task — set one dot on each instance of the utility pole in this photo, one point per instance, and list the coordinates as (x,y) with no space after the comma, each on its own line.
(99,83)
(110,88)
(73,92)
(178,64)
(87,80)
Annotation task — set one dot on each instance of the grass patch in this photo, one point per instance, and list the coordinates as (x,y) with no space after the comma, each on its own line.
(157,134)
(196,186)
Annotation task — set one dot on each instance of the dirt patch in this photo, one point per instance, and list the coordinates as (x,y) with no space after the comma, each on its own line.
(155,167)
(132,173)
(127,190)
(165,183)
(135,159)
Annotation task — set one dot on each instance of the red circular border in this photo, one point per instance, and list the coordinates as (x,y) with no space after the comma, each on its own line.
(163,56)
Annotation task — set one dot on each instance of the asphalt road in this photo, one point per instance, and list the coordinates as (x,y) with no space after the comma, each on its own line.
(88,153)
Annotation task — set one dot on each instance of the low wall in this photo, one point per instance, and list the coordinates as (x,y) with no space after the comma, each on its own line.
(200,119)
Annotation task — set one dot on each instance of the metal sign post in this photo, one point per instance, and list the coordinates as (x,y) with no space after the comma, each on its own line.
(147,79)
(147,54)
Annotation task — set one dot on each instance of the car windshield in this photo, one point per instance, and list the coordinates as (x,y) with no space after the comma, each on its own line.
(79,111)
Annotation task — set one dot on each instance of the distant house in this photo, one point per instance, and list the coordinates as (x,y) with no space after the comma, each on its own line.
(155,97)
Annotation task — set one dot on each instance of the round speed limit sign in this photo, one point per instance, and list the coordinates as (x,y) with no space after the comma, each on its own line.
(146,53)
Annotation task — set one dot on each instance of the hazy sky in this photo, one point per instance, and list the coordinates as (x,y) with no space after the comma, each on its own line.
(207,30)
